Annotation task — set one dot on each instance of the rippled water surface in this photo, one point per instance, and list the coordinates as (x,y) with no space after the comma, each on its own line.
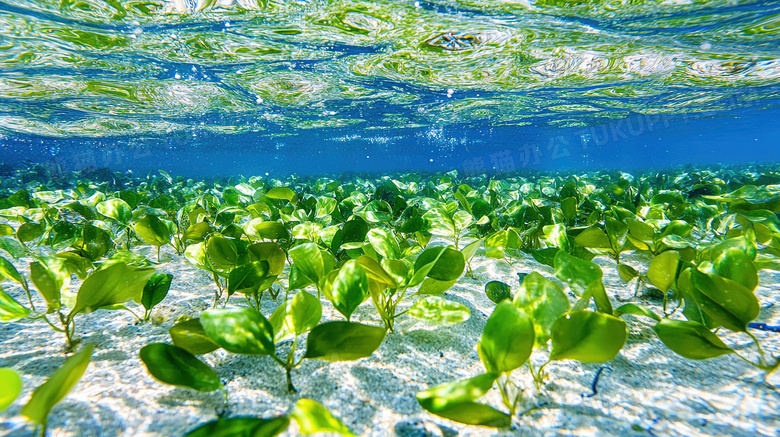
(187,69)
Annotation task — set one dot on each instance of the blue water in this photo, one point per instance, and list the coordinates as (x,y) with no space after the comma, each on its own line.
(322,87)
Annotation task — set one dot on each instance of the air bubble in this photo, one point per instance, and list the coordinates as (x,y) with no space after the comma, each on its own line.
(705,46)
(177,76)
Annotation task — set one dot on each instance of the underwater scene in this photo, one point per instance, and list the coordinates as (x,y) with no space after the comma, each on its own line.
(229,218)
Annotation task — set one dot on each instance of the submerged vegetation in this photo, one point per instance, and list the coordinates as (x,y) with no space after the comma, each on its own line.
(402,243)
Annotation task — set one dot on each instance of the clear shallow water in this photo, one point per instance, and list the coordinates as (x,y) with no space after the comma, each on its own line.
(217,88)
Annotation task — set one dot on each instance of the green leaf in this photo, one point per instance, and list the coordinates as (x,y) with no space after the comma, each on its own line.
(239,330)
(113,285)
(10,387)
(62,381)
(498,291)
(296,316)
(727,302)
(471,249)
(272,254)
(617,232)
(282,323)
(270,230)
(546,255)
(737,266)
(349,288)
(247,278)
(636,310)
(312,417)
(475,413)
(495,245)
(593,237)
(627,273)
(442,263)
(587,336)
(116,209)
(242,427)
(190,336)
(543,301)
(376,273)
(13,247)
(384,243)
(63,234)
(156,289)
(455,392)
(569,209)
(441,223)
(343,341)
(310,261)
(197,231)
(663,269)
(222,252)
(455,401)
(8,270)
(434,287)
(439,311)
(196,255)
(175,366)
(305,312)
(6,230)
(577,273)
(691,340)
(153,231)
(599,293)
(30,231)
(10,309)
(507,339)
(48,283)
(96,242)
(296,279)
(282,193)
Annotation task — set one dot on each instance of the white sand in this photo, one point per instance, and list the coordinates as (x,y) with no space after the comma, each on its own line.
(647,391)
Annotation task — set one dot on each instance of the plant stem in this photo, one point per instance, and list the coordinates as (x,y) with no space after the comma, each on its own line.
(224,390)
(29,297)
(538,376)
(52,325)
(144,319)
(758,346)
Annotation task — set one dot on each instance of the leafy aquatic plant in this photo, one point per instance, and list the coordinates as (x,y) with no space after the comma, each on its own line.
(108,287)
(310,416)
(538,313)
(245,331)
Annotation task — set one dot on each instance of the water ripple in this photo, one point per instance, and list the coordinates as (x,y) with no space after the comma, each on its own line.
(104,68)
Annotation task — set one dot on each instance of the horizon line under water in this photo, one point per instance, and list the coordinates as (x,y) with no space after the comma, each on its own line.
(219,88)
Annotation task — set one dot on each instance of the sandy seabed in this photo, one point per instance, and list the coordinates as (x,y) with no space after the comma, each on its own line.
(646,390)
